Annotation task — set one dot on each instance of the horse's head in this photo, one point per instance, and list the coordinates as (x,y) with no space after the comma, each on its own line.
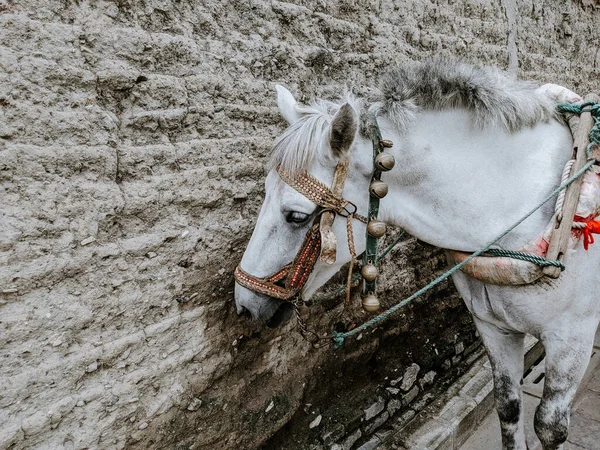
(318,138)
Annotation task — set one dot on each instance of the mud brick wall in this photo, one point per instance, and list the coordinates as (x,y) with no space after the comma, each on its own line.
(133,137)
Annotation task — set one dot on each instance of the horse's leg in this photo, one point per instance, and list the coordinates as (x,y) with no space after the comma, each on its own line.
(567,356)
(505,350)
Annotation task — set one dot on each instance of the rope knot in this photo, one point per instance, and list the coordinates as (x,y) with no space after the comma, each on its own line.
(338,339)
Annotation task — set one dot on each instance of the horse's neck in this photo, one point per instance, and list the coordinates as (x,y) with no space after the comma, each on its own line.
(456,186)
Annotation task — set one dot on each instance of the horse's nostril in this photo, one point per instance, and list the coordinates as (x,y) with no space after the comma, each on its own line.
(282,314)
(245,312)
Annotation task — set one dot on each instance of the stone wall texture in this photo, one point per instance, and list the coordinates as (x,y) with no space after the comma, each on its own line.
(133,137)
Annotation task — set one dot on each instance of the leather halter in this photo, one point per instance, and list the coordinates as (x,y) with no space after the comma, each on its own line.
(320,240)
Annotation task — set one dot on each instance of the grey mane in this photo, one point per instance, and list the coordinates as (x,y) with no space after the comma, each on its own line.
(491,95)
(493,98)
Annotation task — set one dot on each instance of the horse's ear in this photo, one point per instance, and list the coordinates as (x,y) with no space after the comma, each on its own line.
(287,104)
(343,130)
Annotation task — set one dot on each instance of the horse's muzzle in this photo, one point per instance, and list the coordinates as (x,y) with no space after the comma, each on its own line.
(271,311)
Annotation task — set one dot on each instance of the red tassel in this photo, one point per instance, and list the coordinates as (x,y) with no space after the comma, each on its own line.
(593,226)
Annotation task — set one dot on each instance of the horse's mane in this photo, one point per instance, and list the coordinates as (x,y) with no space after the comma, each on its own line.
(490,94)
(493,97)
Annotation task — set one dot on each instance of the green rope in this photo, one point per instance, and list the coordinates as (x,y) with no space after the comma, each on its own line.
(594,109)
(338,338)
(355,277)
(539,260)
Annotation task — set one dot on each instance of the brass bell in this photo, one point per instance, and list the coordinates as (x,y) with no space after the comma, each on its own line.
(385,161)
(386,143)
(371,303)
(378,189)
(376,228)
(369,272)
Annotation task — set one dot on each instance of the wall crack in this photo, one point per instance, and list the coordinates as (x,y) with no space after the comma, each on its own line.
(511,12)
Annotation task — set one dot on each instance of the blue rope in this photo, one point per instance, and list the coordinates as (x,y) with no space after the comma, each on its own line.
(338,337)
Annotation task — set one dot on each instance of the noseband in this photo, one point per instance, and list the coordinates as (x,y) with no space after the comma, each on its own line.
(319,241)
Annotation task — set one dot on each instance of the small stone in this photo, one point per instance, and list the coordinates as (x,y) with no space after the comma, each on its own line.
(380,420)
(459,348)
(195,404)
(446,364)
(374,409)
(184,233)
(143,426)
(10,291)
(393,391)
(410,376)
(88,240)
(427,379)
(384,434)
(56,343)
(393,406)
(424,401)
(316,422)
(406,416)
(351,440)
(151,255)
(80,403)
(270,407)
(395,382)
(92,367)
(411,395)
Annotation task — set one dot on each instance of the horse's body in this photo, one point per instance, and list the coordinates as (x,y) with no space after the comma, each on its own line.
(457,183)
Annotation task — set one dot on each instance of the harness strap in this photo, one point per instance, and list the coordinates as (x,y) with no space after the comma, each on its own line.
(318,193)
(295,274)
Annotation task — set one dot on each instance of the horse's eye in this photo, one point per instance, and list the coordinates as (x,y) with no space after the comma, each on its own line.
(296,217)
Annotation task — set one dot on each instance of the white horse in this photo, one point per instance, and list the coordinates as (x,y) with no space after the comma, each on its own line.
(475,150)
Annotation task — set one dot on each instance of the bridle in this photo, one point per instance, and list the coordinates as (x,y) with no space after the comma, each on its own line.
(320,240)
